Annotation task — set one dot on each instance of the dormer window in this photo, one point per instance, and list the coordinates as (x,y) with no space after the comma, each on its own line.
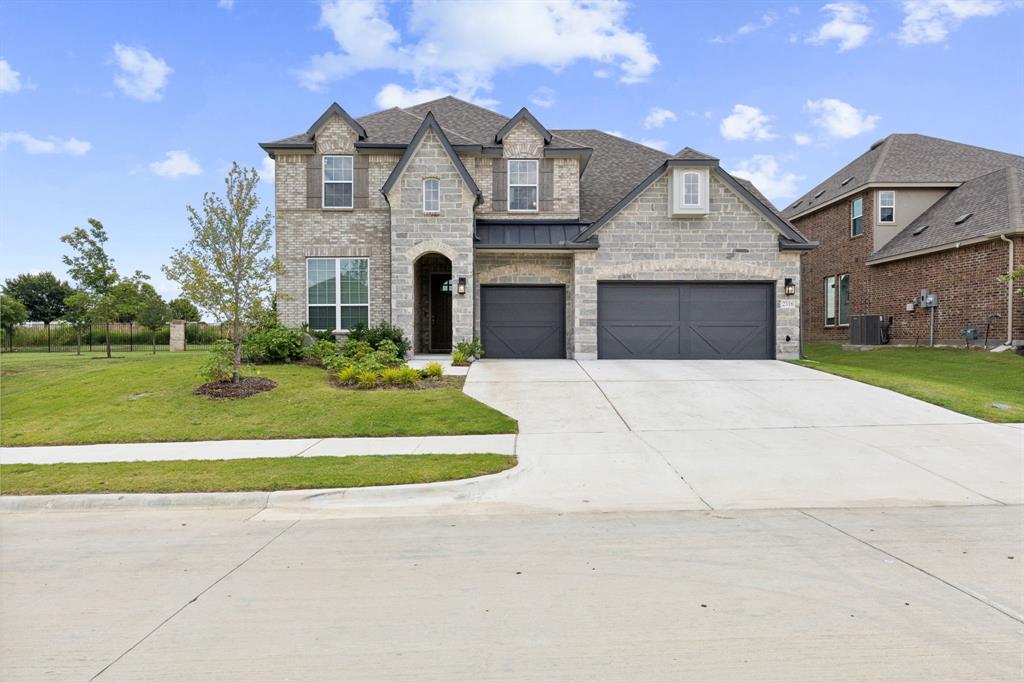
(431,195)
(522,184)
(887,206)
(689,191)
(337,182)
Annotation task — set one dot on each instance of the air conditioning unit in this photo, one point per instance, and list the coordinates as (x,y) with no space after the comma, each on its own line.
(868,330)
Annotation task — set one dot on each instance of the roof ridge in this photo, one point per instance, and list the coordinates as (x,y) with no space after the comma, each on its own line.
(884,144)
(1013,192)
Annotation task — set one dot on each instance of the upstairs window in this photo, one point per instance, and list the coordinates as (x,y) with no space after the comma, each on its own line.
(857,217)
(691,189)
(887,206)
(431,195)
(337,182)
(522,185)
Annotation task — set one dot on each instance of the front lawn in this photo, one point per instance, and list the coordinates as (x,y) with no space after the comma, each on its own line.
(964,381)
(56,399)
(233,475)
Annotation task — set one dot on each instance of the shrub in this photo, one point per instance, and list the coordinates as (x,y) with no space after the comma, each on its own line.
(391,375)
(219,363)
(379,333)
(459,359)
(321,351)
(408,375)
(276,344)
(367,378)
(319,334)
(433,370)
(470,349)
(348,375)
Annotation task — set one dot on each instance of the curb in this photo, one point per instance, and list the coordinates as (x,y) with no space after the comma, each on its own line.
(406,495)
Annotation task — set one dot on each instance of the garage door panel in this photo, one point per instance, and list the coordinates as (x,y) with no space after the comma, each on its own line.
(522,321)
(672,320)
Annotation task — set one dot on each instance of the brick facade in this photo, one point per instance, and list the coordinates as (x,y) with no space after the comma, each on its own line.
(965,279)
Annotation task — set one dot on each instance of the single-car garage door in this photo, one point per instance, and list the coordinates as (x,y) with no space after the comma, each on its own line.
(522,321)
(721,320)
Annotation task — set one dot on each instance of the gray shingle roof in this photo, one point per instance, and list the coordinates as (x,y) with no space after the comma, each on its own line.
(906,158)
(993,202)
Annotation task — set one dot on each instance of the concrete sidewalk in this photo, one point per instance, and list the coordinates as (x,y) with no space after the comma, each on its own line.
(502,444)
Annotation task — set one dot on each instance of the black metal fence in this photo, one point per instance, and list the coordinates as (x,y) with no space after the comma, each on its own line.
(125,337)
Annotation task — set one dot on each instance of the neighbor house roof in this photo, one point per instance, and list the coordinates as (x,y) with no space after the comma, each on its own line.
(978,209)
(612,167)
(904,159)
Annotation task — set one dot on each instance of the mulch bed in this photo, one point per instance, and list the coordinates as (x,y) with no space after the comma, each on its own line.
(227,390)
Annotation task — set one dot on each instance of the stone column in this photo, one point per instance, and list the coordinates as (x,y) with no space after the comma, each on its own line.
(177,335)
(584,286)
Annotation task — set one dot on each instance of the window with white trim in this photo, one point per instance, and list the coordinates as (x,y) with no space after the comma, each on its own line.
(857,217)
(830,301)
(887,206)
(337,293)
(837,300)
(431,195)
(691,188)
(337,173)
(522,184)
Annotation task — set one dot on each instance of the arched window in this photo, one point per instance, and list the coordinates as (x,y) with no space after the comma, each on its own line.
(431,195)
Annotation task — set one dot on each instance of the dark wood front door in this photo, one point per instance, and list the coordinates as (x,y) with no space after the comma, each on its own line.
(441,313)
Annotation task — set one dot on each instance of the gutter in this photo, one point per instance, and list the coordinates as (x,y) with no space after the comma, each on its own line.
(943,247)
(1009,291)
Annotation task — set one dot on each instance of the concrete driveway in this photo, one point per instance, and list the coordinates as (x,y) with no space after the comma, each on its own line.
(621,434)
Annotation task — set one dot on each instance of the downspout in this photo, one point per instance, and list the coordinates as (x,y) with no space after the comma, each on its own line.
(1009,292)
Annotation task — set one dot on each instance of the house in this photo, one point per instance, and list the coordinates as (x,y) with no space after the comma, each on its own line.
(911,213)
(452,222)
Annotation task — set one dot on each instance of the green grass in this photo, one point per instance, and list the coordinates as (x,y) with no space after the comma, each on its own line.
(232,475)
(51,399)
(965,381)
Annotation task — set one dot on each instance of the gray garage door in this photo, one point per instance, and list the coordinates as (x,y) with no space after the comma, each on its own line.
(522,321)
(685,321)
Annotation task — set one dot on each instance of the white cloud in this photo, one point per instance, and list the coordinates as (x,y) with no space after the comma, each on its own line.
(51,145)
(543,97)
(616,133)
(840,119)
(660,145)
(848,25)
(142,76)
(930,21)
(176,164)
(746,123)
(266,169)
(766,21)
(394,95)
(658,117)
(446,46)
(226,4)
(763,170)
(801,138)
(10,80)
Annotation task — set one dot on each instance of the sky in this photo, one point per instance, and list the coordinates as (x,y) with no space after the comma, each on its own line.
(129,111)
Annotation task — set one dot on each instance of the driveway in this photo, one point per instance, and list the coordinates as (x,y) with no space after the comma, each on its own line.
(634,434)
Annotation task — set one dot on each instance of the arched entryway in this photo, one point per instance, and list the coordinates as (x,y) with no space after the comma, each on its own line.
(432,276)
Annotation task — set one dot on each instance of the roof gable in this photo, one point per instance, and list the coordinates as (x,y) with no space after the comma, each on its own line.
(430,123)
(336,110)
(522,115)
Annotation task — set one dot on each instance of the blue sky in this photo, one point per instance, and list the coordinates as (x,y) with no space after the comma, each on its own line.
(126,112)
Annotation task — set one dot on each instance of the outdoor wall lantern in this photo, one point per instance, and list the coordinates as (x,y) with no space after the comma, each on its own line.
(462,286)
(790,286)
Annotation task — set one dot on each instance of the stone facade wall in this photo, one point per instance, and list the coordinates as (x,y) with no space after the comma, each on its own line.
(413,234)
(733,242)
(966,280)
(303,233)
(528,268)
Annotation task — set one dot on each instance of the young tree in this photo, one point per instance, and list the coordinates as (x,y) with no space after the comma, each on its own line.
(12,313)
(93,270)
(42,295)
(77,313)
(130,294)
(182,309)
(227,268)
(153,313)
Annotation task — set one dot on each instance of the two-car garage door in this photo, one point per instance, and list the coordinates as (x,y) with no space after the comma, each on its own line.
(672,320)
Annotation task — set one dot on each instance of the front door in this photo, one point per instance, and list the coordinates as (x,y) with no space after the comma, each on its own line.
(440,313)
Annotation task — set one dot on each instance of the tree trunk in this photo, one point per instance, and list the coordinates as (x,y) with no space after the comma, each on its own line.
(236,375)
(78,340)
(108,340)
(152,334)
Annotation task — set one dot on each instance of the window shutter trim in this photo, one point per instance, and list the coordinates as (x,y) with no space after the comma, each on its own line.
(360,181)
(314,182)
(499,185)
(546,185)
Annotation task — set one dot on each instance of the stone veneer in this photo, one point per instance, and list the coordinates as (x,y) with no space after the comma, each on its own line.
(528,267)
(732,242)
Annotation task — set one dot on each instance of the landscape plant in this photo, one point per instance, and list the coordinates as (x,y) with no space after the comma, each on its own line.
(12,313)
(77,314)
(380,333)
(219,362)
(276,344)
(466,351)
(93,270)
(42,295)
(226,268)
(153,313)
(183,309)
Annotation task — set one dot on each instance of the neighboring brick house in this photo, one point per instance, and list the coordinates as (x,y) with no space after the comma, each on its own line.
(452,222)
(912,213)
